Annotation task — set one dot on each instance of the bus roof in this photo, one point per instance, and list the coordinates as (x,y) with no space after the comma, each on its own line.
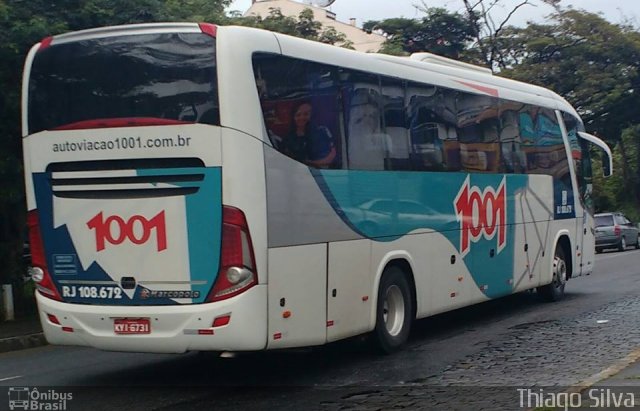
(437,70)
(420,67)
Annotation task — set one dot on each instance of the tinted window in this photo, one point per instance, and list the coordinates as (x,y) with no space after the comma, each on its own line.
(512,157)
(604,220)
(368,145)
(478,132)
(542,141)
(622,220)
(432,118)
(394,121)
(383,123)
(300,103)
(168,76)
(581,157)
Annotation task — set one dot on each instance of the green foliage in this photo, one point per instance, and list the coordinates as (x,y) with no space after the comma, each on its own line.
(304,26)
(440,32)
(592,62)
(616,193)
(595,65)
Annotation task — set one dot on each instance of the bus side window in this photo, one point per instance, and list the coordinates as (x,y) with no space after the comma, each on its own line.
(394,124)
(513,159)
(581,160)
(478,133)
(368,144)
(543,143)
(300,102)
(430,122)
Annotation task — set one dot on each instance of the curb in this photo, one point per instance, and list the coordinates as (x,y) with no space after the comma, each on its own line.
(606,373)
(22,342)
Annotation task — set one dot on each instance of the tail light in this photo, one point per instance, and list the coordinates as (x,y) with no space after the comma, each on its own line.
(617,230)
(38,269)
(237,262)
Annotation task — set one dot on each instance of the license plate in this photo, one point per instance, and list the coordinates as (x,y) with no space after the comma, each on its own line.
(132,326)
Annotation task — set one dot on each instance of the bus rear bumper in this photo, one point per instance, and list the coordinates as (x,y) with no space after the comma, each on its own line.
(173,329)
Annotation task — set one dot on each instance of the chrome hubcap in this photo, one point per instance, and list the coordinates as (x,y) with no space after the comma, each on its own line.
(393,310)
(559,272)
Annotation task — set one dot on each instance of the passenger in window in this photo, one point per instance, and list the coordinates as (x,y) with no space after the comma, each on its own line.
(307,142)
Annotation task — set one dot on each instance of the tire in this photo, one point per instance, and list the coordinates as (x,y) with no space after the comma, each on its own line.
(638,243)
(623,244)
(394,311)
(598,250)
(555,290)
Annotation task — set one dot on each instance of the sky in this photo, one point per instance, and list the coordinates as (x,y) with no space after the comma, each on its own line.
(616,11)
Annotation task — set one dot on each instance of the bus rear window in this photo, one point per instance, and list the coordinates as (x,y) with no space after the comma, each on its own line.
(168,76)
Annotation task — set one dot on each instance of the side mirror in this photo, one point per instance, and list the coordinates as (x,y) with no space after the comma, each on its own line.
(607,159)
(606,166)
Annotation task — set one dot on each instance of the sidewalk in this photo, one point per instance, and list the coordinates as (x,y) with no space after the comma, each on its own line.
(21,334)
(616,387)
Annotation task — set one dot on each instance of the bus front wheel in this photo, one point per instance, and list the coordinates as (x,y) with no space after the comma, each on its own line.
(555,290)
(394,310)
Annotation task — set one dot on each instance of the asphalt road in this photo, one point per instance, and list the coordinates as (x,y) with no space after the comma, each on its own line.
(500,342)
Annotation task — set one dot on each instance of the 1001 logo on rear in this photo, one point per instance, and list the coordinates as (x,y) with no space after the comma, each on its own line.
(137,230)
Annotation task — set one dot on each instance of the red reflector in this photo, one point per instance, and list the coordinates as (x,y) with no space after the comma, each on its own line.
(220,321)
(330,323)
(205,331)
(209,29)
(53,319)
(277,336)
(46,42)
(67,329)
(453,295)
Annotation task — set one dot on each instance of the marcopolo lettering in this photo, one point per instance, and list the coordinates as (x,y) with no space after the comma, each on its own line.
(137,229)
(481,213)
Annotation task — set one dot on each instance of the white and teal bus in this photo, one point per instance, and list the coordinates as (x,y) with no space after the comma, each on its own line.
(194,187)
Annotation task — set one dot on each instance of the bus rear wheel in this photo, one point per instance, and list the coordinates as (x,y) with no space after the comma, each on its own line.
(394,311)
(555,290)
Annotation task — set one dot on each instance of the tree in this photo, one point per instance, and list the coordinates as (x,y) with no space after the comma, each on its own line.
(440,32)
(487,32)
(304,26)
(595,65)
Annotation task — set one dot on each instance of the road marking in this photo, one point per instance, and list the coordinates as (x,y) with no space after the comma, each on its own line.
(10,378)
